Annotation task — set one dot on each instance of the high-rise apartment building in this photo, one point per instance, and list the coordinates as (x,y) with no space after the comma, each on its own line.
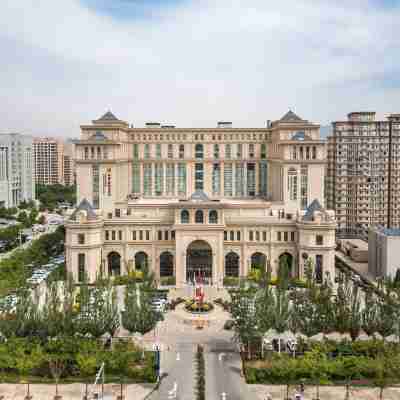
(17,176)
(69,163)
(215,202)
(49,161)
(363,173)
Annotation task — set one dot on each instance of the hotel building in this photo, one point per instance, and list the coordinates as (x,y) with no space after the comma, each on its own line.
(210,201)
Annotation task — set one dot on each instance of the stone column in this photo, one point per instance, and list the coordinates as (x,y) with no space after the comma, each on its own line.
(164,178)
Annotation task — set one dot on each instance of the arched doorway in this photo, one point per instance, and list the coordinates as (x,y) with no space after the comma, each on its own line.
(286,262)
(199,261)
(114,264)
(166,264)
(232,264)
(141,260)
(258,261)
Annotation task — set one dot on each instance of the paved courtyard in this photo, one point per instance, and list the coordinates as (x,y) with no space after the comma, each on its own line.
(72,391)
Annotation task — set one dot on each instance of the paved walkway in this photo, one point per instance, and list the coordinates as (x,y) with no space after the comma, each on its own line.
(72,392)
(278,392)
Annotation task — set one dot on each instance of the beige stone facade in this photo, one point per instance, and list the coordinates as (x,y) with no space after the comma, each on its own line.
(210,202)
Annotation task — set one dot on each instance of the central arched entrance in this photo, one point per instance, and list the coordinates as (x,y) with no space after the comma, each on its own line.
(199,261)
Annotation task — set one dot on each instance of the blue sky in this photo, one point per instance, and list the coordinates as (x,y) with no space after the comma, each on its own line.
(192,63)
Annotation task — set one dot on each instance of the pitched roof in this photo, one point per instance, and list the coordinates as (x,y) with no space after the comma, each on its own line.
(198,195)
(314,206)
(84,206)
(290,116)
(108,116)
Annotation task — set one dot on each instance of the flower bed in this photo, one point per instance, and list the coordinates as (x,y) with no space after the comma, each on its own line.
(194,307)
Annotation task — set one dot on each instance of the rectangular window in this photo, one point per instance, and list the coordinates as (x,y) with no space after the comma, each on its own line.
(140,235)
(292,236)
(251,150)
(251,235)
(251,179)
(172,235)
(239,179)
(304,186)
(133,235)
(170,179)
(182,179)
(96,185)
(239,150)
(108,181)
(264,235)
(263,179)
(146,151)
(263,151)
(135,151)
(159,235)
(257,236)
(228,151)
(170,151)
(117,212)
(216,179)
(319,240)
(81,267)
(107,235)
(225,235)
(216,151)
(159,179)
(238,236)
(232,235)
(181,151)
(147,180)
(147,235)
(228,179)
(119,235)
(158,150)
(112,235)
(166,235)
(199,177)
(135,178)
(279,236)
(292,184)
(285,236)
(81,238)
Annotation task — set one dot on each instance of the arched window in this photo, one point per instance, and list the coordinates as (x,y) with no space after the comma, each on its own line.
(141,261)
(199,217)
(232,264)
(184,217)
(166,264)
(114,264)
(198,149)
(213,217)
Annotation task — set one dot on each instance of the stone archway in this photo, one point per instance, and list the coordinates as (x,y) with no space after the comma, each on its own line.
(286,260)
(114,264)
(199,260)
(166,264)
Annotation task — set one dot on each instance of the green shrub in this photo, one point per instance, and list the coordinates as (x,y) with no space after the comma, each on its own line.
(168,281)
(231,281)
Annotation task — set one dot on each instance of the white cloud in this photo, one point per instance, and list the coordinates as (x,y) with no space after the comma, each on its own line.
(245,61)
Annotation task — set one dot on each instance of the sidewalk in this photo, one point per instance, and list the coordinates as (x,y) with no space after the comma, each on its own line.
(74,391)
(326,392)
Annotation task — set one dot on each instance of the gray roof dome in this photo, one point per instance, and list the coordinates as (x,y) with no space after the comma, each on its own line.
(290,116)
(98,136)
(84,205)
(108,116)
(314,206)
(199,195)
